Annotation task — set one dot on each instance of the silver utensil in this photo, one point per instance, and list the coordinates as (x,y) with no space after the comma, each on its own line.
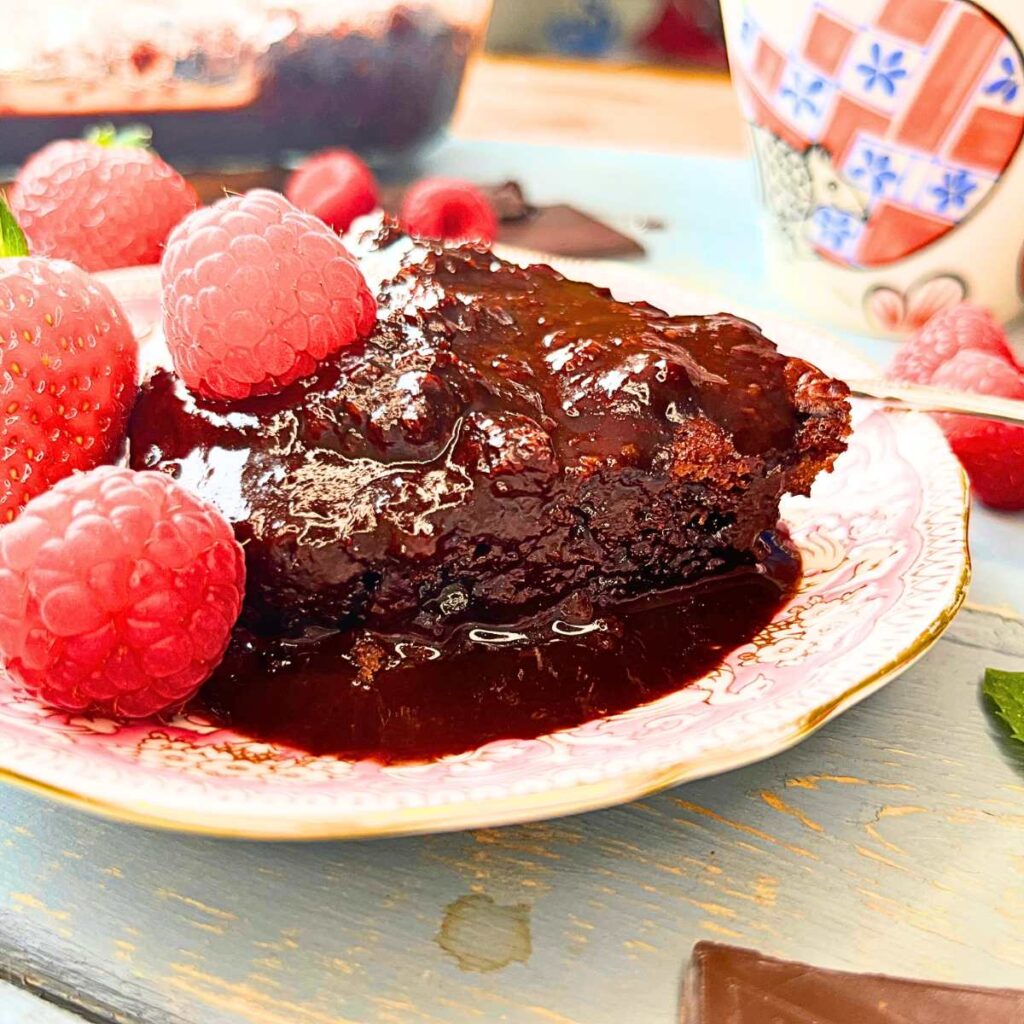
(922,398)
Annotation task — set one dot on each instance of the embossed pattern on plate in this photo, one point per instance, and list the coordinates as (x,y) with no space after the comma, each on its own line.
(883,540)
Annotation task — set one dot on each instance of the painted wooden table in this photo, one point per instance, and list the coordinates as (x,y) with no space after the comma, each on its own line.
(891,840)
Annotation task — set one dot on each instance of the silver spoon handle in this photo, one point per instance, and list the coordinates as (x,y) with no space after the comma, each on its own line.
(921,398)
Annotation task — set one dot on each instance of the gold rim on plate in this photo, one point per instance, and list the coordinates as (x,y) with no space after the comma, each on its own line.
(554,803)
(557,801)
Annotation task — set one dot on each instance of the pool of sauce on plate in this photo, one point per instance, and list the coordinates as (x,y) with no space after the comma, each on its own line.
(409,698)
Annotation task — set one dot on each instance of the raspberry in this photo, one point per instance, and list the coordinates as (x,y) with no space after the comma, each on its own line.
(950,331)
(335,186)
(101,204)
(118,593)
(981,373)
(256,293)
(68,373)
(448,210)
(991,452)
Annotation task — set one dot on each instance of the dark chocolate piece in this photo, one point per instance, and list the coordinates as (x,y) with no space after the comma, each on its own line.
(509,201)
(563,230)
(557,230)
(728,985)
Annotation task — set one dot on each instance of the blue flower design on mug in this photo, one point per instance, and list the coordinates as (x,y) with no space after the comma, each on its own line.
(875,170)
(1007,87)
(589,31)
(834,227)
(952,193)
(803,91)
(882,70)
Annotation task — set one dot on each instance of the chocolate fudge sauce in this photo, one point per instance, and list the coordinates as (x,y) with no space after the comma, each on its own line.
(406,697)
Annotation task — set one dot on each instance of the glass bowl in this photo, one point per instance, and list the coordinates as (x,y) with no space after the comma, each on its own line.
(236,81)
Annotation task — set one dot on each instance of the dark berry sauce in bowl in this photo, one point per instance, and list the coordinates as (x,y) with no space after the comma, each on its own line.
(380,78)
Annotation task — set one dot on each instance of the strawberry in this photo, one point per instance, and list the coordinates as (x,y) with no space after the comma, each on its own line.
(993,455)
(102,202)
(963,348)
(991,452)
(68,371)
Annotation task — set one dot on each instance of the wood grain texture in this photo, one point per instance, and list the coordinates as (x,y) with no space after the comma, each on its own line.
(543,100)
(892,840)
(18,1006)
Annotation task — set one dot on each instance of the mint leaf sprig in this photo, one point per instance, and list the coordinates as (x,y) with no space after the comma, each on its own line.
(1006,691)
(12,239)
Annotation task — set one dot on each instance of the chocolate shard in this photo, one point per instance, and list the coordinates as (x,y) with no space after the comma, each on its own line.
(509,201)
(558,229)
(729,985)
(563,230)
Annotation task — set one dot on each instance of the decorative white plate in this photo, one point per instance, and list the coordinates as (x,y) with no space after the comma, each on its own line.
(883,540)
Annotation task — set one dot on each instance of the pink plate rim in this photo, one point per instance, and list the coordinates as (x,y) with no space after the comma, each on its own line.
(883,584)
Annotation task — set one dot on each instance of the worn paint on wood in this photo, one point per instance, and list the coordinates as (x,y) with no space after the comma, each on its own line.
(891,840)
(855,849)
(18,1006)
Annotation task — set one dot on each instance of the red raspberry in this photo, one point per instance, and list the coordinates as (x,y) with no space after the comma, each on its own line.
(448,210)
(980,373)
(118,593)
(256,293)
(335,186)
(68,374)
(991,452)
(950,331)
(102,204)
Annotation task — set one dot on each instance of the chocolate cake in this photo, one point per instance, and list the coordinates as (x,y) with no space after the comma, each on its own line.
(507,439)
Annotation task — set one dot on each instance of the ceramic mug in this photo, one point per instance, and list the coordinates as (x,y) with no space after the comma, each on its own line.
(569,27)
(888,140)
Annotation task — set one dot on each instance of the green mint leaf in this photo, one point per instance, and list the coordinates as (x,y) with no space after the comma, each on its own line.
(137,136)
(12,238)
(1006,691)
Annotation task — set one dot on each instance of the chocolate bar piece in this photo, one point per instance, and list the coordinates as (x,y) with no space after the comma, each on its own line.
(727,985)
(557,229)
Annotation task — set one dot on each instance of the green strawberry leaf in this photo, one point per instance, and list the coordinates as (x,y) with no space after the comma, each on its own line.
(1006,691)
(137,136)
(12,239)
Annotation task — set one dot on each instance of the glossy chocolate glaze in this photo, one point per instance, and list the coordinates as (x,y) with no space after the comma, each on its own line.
(508,446)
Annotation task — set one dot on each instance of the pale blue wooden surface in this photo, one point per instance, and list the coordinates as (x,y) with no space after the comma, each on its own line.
(891,840)
(18,1006)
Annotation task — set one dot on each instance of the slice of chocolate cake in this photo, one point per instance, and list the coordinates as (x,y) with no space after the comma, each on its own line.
(506,440)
